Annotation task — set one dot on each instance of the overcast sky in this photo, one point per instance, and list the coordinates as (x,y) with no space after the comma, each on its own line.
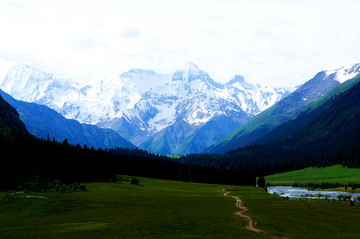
(273,43)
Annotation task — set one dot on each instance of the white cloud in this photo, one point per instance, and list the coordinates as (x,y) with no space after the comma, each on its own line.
(268,42)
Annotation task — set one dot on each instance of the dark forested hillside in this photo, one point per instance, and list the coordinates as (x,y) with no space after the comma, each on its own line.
(10,122)
(24,157)
(286,109)
(27,157)
(330,135)
(309,115)
(337,127)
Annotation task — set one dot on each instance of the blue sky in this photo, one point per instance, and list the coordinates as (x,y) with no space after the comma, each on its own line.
(274,43)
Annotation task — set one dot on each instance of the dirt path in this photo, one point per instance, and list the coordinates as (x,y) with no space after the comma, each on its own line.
(251,223)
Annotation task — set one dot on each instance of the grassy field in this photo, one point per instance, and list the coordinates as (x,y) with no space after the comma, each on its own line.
(154,209)
(167,209)
(300,218)
(333,174)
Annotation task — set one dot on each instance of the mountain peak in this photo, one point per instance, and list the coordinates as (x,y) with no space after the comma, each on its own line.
(26,69)
(19,76)
(138,71)
(236,78)
(191,72)
(238,82)
(21,66)
(192,66)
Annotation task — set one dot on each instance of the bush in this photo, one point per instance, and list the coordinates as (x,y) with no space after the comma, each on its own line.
(135,181)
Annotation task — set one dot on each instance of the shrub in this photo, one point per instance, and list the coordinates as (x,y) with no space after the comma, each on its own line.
(135,181)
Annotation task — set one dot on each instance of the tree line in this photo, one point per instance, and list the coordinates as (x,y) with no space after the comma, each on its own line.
(24,157)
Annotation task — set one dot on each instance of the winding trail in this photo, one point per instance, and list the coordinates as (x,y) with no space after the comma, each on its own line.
(251,223)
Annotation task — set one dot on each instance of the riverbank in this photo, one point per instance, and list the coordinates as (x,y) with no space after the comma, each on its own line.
(303,193)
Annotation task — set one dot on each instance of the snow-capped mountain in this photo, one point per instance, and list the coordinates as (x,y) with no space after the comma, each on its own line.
(87,104)
(111,98)
(344,73)
(31,85)
(193,96)
(140,103)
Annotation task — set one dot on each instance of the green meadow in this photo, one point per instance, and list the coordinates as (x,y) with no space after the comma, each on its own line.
(168,209)
(154,209)
(333,174)
(300,218)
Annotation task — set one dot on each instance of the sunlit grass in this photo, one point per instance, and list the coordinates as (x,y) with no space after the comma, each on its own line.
(333,174)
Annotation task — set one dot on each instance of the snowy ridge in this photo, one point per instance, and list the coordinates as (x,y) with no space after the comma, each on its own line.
(147,100)
(193,96)
(31,85)
(344,73)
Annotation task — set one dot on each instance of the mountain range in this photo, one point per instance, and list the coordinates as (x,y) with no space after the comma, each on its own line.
(44,122)
(178,113)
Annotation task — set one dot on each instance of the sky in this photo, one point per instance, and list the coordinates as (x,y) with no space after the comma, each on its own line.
(272,43)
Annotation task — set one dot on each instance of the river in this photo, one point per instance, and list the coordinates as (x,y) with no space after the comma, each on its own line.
(293,192)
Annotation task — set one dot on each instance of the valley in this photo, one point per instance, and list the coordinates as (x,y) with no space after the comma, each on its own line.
(169,209)
(322,132)
(179,119)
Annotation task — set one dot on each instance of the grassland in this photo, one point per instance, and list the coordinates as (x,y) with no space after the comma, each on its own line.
(167,209)
(300,218)
(333,174)
(154,209)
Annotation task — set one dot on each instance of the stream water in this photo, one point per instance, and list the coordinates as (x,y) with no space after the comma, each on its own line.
(293,192)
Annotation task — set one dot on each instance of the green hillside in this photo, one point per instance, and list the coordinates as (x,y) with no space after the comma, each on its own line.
(309,115)
(286,109)
(333,174)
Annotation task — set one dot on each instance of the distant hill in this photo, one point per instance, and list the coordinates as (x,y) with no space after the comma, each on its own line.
(211,132)
(42,122)
(167,139)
